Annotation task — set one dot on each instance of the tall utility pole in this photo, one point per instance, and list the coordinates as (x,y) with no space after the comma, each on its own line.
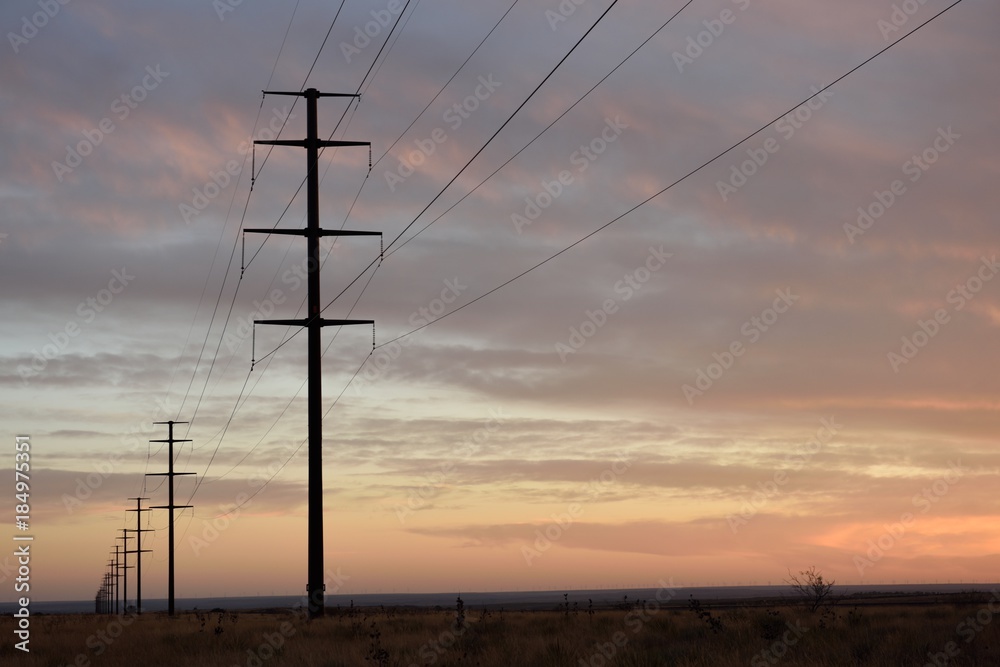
(315,586)
(170,474)
(138,551)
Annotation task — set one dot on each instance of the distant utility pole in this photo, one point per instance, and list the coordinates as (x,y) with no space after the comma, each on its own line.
(125,568)
(315,586)
(170,474)
(105,594)
(116,587)
(138,551)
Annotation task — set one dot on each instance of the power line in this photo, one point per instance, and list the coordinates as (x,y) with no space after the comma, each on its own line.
(225,226)
(446,84)
(232,254)
(547,127)
(495,134)
(570,108)
(505,123)
(679,180)
(393,45)
(688,175)
(222,336)
(305,80)
(370,265)
(242,220)
(428,105)
(297,449)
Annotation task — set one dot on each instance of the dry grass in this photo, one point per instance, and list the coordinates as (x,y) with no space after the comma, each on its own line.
(637,637)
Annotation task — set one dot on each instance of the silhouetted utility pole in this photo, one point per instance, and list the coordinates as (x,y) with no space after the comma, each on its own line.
(104,595)
(107,593)
(138,551)
(314,323)
(125,568)
(111,594)
(115,586)
(170,474)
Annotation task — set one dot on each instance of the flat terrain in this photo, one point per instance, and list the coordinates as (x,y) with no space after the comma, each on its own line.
(938,630)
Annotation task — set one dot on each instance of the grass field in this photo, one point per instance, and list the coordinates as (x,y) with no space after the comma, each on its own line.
(934,631)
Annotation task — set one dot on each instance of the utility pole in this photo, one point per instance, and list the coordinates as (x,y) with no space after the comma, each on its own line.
(115,574)
(315,585)
(111,594)
(139,551)
(125,567)
(106,594)
(170,474)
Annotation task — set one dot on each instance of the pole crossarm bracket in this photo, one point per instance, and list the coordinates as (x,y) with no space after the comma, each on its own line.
(319,143)
(309,92)
(311,232)
(316,322)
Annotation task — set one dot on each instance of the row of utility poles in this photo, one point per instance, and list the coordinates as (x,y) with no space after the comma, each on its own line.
(314,322)
(114,586)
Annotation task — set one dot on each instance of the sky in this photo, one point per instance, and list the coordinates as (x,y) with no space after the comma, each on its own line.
(738,360)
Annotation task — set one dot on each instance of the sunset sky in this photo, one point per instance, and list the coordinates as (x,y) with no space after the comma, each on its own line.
(784,360)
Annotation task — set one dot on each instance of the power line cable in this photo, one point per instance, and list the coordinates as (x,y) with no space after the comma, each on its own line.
(506,122)
(679,180)
(546,129)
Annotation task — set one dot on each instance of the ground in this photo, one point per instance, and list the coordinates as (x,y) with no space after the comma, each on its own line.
(877,631)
